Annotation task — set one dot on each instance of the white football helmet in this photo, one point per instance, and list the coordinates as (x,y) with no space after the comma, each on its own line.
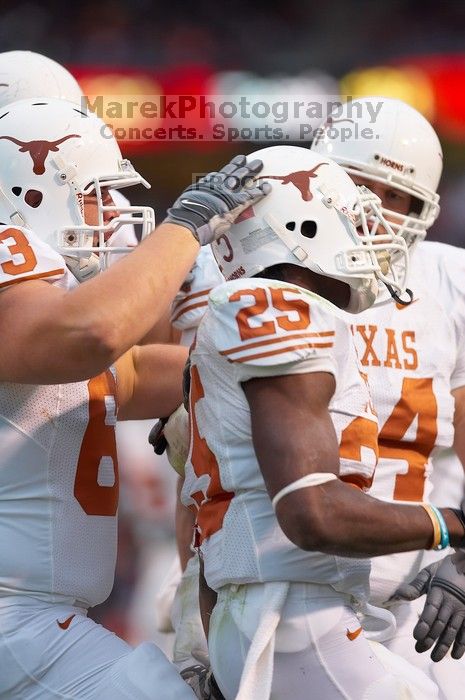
(317,218)
(26,74)
(397,146)
(52,154)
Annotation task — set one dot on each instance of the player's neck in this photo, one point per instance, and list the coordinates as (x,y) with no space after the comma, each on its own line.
(335,291)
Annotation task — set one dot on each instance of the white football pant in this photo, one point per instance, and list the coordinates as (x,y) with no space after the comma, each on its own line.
(50,651)
(303,641)
(448,674)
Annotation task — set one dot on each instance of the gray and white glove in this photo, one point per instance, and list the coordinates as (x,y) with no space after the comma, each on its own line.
(443,617)
(211,205)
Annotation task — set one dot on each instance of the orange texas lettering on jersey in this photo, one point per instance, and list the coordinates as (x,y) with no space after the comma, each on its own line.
(385,347)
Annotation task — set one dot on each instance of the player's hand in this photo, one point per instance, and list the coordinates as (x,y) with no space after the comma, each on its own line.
(172,434)
(443,617)
(211,205)
(157,436)
(186,382)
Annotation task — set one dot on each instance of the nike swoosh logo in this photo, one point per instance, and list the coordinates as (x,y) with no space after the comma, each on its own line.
(197,204)
(353,635)
(404,306)
(64,625)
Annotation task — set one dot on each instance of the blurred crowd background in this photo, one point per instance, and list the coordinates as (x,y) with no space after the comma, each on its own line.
(265,36)
(412,49)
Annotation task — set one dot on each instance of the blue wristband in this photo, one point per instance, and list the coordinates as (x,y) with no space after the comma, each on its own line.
(443,527)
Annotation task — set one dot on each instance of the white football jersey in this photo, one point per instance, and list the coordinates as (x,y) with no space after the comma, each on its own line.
(448,480)
(58,466)
(414,356)
(191,302)
(261,328)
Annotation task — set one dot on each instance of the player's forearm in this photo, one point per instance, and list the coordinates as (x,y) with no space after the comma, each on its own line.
(347,522)
(154,388)
(93,325)
(127,300)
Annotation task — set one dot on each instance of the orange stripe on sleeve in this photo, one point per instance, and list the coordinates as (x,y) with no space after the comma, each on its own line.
(277,339)
(279,351)
(39,275)
(188,308)
(189,297)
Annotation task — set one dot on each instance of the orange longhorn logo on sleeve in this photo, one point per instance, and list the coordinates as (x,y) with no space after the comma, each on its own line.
(39,150)
(300,179)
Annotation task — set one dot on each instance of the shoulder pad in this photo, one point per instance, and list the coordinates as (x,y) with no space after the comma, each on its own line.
(268,323)
(23,256)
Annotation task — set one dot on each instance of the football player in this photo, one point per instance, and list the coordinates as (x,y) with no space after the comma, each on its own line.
(67,369)
(284,444)
(27,74)
(414,355)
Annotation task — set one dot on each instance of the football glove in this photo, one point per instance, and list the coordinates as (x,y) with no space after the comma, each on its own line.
(172,434)
(157,437)
(186,382)
(443,617)
(211,205)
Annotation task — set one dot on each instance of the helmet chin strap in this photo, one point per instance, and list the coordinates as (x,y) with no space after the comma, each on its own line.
(384,265)
(14,215)
(83,268)
(396,297)
(286,237)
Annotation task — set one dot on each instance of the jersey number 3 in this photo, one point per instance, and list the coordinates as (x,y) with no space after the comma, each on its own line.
(19,247)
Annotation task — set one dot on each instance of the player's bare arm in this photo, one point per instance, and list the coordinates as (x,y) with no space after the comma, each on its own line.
(293,436)
(94,324)
(149,381)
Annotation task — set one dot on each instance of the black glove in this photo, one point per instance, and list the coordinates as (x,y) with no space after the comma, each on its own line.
(157,437)
(186,382)
(443,617)
(211,205)
(172,435)
(157,434)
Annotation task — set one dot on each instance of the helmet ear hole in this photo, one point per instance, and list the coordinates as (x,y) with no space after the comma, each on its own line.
(290,225)
(308,229)
(33,198)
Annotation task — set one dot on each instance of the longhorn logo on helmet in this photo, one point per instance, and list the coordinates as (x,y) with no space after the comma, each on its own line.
(300,179)
(39,150)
